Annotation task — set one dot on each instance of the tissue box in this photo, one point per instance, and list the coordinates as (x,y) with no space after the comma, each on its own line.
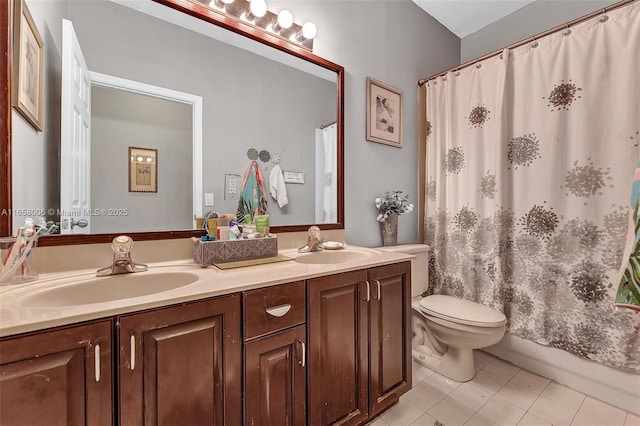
(210,252)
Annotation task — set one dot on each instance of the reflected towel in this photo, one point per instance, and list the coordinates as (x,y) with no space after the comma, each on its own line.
(628,295)
(277,188)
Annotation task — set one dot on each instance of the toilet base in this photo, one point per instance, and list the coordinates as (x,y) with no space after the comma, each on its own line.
(456,364)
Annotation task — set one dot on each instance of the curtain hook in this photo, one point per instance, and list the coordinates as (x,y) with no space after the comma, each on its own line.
(534,43)
(567,31)
(478,64)
(604,18)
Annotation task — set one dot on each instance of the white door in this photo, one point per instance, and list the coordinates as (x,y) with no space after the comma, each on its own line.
(75,152)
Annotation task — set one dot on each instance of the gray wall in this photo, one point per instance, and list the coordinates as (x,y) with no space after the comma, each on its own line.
(119,120)
(532,19)
(397,43)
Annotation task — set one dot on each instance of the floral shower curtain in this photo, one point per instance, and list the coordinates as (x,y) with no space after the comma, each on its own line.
(530,160)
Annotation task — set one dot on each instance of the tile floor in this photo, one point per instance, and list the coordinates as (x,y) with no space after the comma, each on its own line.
(499,394)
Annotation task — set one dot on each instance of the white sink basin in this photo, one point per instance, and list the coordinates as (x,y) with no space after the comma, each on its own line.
(108,289)
(332,257)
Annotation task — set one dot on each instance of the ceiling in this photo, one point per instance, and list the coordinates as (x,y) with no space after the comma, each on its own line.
(464,17)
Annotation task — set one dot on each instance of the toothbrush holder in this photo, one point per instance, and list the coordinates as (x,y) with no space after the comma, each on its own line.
(23,271)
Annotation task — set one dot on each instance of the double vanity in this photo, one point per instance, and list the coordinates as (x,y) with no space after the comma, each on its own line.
(321,339)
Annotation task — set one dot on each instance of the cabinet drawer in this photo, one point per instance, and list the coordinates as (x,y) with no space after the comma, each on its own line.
(273,308)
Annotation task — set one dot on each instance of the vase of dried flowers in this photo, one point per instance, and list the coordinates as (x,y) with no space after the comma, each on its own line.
(391,205)
(389,230)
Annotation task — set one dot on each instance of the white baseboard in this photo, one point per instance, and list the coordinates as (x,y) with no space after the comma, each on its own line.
(607,384)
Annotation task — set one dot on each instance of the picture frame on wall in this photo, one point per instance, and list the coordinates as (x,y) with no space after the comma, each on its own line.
(28,66)
(384,113)
(143,169)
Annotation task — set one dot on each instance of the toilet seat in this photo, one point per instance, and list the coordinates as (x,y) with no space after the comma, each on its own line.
(461,311)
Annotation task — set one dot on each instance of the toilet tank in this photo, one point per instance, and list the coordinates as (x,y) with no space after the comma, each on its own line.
(419,265)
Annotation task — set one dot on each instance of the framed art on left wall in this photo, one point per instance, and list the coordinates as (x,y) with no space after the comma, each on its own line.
(28,63)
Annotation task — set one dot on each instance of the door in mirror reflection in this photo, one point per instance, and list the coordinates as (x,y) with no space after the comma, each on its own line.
(75,131)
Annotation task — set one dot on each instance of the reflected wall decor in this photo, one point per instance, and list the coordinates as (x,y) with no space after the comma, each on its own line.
(384,113)
(28,58)
(143,169)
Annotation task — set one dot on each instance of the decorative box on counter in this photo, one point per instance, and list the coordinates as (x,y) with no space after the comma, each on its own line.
(211,252)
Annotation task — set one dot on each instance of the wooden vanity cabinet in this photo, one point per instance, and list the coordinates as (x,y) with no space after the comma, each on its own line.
(389,335)
(275,352)
(58,377)
(359,343)
(181,365)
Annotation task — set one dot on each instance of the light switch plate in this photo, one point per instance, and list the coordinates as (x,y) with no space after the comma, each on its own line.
(208,198)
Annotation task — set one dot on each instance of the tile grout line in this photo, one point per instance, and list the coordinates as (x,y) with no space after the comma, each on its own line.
(578,410)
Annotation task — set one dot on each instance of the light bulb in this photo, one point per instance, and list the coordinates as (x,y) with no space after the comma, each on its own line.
(227,1)
(285,19)
(309,30)
(139,159)
(258,8)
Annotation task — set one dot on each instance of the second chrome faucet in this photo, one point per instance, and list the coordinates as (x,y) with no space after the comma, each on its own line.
(314,241)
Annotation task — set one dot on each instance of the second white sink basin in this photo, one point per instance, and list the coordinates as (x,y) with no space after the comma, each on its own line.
(332,257)
(108,289)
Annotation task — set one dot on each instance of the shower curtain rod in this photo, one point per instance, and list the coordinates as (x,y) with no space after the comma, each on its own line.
(327,125)
(564,26)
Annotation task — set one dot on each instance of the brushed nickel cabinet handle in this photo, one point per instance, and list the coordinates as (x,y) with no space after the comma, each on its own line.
(304,353)
(379,294)
(279,311)
(368,291)
(132,365)
(96,355)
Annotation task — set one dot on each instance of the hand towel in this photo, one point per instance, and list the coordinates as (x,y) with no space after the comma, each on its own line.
(252,197)
(277,188)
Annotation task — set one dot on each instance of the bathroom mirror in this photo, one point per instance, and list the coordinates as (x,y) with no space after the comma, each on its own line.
(250,103)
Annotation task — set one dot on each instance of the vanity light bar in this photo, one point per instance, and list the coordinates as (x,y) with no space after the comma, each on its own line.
(256,14)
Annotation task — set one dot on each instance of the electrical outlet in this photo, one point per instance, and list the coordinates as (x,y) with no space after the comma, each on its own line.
(208,198)
(231,184)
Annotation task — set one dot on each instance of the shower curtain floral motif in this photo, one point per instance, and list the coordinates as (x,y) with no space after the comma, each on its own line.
(530,161)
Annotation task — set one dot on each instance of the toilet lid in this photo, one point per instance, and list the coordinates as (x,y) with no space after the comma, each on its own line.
(461,311)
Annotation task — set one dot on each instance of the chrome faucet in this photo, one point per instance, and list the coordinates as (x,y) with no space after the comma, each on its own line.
(122,263)
(314,241)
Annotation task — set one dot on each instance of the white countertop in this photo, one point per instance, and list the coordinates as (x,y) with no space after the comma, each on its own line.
(16,316)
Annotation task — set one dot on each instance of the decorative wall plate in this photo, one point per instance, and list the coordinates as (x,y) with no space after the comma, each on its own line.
(252,153)
(264,156)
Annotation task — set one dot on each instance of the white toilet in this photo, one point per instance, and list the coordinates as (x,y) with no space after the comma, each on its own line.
(447,329)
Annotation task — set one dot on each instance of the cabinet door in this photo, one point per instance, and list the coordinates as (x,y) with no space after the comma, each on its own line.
(58,377)
(275,384)
(338,359)
(390,338)
(182,365)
